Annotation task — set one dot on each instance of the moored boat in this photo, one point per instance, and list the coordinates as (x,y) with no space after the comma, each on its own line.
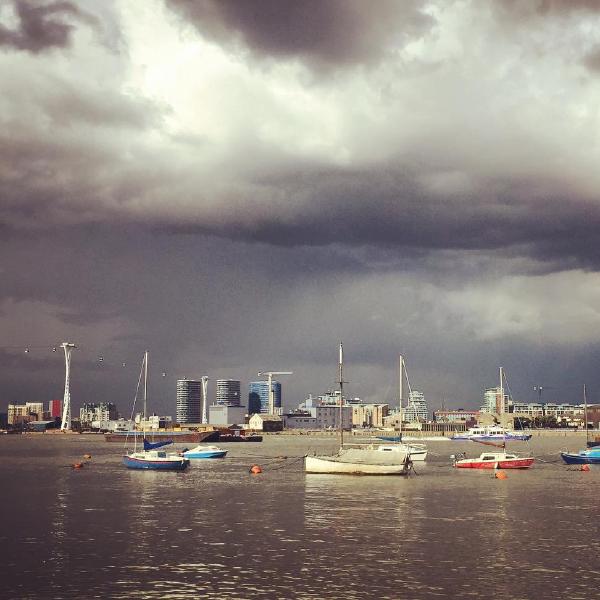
(591,456)
(205,452)
(155,460)
(418,452)
(150,458)
(195,437)
(494,460)
(360,459)
(379,460)
(490,433)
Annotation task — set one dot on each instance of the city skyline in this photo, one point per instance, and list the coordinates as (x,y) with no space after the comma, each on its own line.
(239,189)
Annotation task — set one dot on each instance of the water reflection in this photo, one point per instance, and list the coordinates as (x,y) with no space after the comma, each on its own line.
(216,531)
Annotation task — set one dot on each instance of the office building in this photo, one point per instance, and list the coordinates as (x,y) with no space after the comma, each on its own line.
(456,416)
(228,392)
(417,407)
(24,413)
(221,414)
(369,415)
(258,397)
(493,402)
(55,408)
(102,412)
(189,401)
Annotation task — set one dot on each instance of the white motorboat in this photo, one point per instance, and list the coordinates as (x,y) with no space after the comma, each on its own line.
(205,452)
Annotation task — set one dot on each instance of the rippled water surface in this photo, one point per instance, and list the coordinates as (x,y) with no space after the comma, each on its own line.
(216,531)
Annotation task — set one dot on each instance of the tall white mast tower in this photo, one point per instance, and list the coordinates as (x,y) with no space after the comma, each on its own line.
(66,414)
(204,380)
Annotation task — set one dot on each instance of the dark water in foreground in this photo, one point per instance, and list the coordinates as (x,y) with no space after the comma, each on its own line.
(216,531)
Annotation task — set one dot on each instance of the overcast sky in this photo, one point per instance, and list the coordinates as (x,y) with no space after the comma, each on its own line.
(239,186)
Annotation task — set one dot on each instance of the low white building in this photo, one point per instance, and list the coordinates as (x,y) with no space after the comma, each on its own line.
(221,414)
(264,422)
(114,425)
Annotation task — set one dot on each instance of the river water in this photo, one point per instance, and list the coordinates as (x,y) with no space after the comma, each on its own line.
(216,531)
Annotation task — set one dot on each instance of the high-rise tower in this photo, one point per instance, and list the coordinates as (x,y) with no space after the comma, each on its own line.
(258,396)
(189,401)
(228,392)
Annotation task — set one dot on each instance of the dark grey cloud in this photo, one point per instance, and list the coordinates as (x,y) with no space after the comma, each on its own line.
(203,305)
(326,32)
(233,219)
(43,25)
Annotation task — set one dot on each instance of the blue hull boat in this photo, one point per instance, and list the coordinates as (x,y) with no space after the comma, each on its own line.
(155,463)
(205,452)
(151,458)
(585,457)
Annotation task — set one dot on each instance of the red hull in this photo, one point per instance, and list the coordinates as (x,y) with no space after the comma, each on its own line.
(521,463)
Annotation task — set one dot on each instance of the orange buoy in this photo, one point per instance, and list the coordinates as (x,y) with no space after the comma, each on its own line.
(255,470)
(584,468)
(77,465)
(501,475)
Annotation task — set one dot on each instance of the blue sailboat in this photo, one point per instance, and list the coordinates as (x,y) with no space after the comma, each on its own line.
(151,458)
(589,456)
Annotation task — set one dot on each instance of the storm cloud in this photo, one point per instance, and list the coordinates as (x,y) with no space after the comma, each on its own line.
(237,184)
(335,32)
(42,25)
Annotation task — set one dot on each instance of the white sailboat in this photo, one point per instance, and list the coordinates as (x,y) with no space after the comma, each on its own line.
(418,452)
(360,459)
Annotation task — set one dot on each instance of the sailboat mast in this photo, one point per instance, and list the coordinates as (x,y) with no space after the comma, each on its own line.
(501,403)
(587,431)
(341,382)
(401,391)
(145,390)
(401,382)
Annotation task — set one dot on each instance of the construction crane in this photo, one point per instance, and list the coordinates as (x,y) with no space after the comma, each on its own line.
(270,374)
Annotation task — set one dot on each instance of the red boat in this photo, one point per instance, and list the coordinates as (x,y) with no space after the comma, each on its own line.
(494,460)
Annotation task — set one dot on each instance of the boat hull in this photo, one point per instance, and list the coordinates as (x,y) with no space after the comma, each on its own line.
(162,436)
(418,452)
(204,453)
(515,463)
(226,437)
(581,459)
(144,464)
(330,466)
(517,437)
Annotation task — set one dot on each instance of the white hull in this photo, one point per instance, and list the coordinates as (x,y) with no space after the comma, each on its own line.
(319,464)
(418,453)
(371,460)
